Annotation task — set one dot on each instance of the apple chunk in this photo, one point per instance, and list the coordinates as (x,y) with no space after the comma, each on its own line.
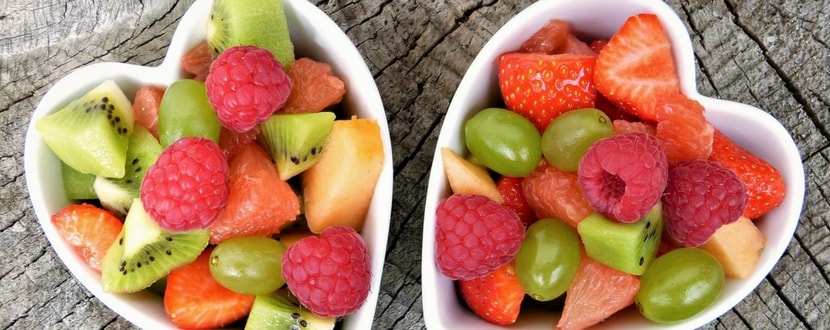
(338,189)
(465,177)
(737,246)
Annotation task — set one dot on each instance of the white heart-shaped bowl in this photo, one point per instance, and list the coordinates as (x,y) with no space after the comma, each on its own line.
(314,35)
(750,127)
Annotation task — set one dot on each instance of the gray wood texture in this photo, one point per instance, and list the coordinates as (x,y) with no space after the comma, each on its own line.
(771,54)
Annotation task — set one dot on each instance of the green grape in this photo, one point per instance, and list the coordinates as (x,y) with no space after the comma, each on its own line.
(504,141)
(678,285)
(186,111)
(548,259)
(569,135)
(248,264)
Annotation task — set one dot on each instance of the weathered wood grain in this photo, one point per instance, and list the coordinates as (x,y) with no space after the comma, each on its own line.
(771,55)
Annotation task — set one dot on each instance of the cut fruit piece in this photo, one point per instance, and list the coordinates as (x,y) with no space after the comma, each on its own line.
(259,203)
(280,310)
(185,111)
(628,247)
(296,141)
(597,292)
(465,177)
(313,87)
(196,61)
(144,252)
(495,297)
(77,185)
(194,300)
(89,230)
(146,107)
(90,133)
(117,194)
(552,193)
(339,188)
(737,246)
(258,23)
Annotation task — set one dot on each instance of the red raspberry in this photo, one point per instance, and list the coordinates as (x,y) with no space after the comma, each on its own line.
(329,274)
(475,235)
(623,176)
(246,84)
(187,187)
(701,195)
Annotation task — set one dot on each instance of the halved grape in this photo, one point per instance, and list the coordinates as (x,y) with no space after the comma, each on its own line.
(678,285)
(570,134)
(248,264)
(185,111)
(503,141)
(548,259)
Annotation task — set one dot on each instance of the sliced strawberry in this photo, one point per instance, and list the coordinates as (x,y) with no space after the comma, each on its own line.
(682,128)
(196,61)
(597,292)
(496,297)
(765,186)
(511,190)
(542,86)
(89,230)
(636,66)
(598,45)
(194,300)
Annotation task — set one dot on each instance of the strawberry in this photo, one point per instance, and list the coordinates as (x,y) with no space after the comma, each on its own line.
(194,300)
(514,199)
(541,86)
(89,229)
(636,66)
(765,186)
(496,297)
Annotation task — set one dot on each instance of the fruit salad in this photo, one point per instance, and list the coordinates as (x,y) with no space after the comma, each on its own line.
(596,185)
(223,192)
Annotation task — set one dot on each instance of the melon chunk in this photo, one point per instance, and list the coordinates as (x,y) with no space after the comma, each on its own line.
(465,177)
(737,246)
(339,188)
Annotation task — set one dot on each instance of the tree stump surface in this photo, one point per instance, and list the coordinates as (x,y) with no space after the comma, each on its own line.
(772,55)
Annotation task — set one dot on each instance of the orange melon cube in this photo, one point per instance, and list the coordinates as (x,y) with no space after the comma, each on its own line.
(737,246)
(466,177)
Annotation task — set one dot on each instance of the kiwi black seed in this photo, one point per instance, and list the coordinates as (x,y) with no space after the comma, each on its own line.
(280,310)
(90,134)
(117,194)
(296,141)
(255,22)
(144,252)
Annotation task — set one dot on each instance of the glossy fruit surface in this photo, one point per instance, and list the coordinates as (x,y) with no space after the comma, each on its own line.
(504,141)
(248,264)
(679,285)
(548,259)
(568,136)
(185,111)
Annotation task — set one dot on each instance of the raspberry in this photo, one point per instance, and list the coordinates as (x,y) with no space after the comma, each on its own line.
(623,176)
(701,196)
(246,84)
(187,187)
(474,236)
(329,274)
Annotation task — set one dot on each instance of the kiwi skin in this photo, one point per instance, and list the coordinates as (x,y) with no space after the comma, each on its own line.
(296,141)
(260,23)
(144,253)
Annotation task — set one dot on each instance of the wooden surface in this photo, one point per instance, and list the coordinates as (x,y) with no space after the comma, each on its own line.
(774,56)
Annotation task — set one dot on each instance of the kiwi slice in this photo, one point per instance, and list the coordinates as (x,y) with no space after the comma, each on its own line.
(90,133)
(628,247)
(280,310)
(77,185)
(258,23)
(144,253)
(295,141)
(117,194)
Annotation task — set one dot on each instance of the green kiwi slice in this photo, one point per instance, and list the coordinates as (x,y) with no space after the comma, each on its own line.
(628,247)
(258,23)
(77,185)
(144,253)
(117,194)
(280,310)
(90,133)
(295,141)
